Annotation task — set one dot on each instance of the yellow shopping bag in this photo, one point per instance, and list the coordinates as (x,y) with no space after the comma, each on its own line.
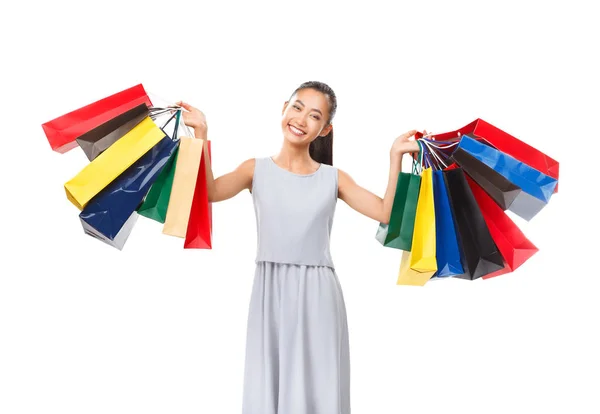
(423,244)
(408,276)
(112,162)
(184,185)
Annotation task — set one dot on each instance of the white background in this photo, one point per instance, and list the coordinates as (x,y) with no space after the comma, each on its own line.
(85,328)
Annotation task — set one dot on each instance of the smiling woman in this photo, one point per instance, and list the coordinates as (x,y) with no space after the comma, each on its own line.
(297,343)
(318,103)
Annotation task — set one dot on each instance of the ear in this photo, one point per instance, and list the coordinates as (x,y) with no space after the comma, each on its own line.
(326,130)
(284,106)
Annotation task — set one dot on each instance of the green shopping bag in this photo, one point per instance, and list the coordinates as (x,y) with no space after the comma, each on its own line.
(398,234)
(157,201)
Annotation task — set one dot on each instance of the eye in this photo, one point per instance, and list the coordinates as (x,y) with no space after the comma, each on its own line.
(295,106)
(316,117)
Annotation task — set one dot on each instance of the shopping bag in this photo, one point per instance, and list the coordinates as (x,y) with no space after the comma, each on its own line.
(499,188)
(537,188)
(63,131)
(398,233)
(156,202)
(199,230)
(479,253)
(447,250)
(408,276)
(510,240)
(184,185)
(423,245)
(111,163)
(107,213)
(96,141)
(508,144)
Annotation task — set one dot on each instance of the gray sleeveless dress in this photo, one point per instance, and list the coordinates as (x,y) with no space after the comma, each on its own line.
(297,350)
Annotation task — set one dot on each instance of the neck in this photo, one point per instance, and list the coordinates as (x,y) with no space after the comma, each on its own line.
(295,157)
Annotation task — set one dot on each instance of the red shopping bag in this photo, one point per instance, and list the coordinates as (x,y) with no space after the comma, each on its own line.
(512,243)
(199,230)
(63,131)
(508,144)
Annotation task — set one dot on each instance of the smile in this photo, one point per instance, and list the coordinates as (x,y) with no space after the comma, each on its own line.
(296,131)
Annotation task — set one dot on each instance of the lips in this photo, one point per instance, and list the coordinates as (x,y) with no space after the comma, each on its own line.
(292,127)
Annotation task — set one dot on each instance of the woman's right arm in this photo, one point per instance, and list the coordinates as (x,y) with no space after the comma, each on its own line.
(230,184)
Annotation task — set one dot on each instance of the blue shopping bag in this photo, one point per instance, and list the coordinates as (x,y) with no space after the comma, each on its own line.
(111,214)
(537,188)
(447,249)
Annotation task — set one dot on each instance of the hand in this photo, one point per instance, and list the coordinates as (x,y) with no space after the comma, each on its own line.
(403,144)
(193,117)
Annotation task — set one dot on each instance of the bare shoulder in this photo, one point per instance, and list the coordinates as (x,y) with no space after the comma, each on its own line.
(248,166)
(344,177)
(246,169)
(345,182)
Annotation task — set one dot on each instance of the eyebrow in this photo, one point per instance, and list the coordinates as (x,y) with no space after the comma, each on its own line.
(314,109)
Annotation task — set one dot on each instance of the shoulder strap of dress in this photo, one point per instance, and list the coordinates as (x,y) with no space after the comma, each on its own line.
(259,165)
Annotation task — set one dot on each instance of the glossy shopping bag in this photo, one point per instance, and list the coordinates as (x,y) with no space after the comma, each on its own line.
(199,230)
(508,144)
(96,141)
(502,191)
(398,233)
(408,276)
(156,203)
(537,188)
(423,245)
(479,253)
(510,240)
(62,132)
(184,185)
(111,163)
(447,249)
(106,215)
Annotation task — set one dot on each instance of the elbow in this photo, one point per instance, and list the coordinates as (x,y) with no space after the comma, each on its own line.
(385,215)
(384,218)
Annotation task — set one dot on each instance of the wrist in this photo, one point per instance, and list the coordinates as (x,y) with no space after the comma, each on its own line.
(201,131)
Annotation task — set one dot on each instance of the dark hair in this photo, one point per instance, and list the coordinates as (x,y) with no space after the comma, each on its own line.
(321,149)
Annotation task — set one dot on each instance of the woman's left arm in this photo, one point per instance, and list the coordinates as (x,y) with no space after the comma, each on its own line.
(364,201)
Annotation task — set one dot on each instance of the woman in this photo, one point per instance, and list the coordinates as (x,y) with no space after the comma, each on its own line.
(297,352)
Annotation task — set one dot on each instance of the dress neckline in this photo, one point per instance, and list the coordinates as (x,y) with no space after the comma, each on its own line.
(293,173)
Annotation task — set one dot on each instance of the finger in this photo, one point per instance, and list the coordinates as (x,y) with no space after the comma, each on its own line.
(409,133)
(185,105)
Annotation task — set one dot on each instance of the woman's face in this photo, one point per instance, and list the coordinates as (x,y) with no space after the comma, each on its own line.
(308,111)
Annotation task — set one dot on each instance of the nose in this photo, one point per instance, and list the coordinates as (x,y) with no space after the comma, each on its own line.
(301,120)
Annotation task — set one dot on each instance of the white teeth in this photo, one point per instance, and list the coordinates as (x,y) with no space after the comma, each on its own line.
(296,130)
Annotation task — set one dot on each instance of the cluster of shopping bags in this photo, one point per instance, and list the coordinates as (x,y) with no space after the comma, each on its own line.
(449,215)
(139,164)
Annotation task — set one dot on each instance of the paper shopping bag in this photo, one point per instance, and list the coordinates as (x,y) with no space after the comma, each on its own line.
(184,185)
(510,240)
(408,276)
(199,230)
(423,245)
(537,188)
(479,253)
(108,212)
(447,251)
(508,144)
(156,202)
(96,141)
(62,132)
(499,188)
(112,162)
(398,233)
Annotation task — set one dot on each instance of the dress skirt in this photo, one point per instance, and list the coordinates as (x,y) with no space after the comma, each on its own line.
(297,350)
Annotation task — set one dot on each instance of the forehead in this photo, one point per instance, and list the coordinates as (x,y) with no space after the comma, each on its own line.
(312,99)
